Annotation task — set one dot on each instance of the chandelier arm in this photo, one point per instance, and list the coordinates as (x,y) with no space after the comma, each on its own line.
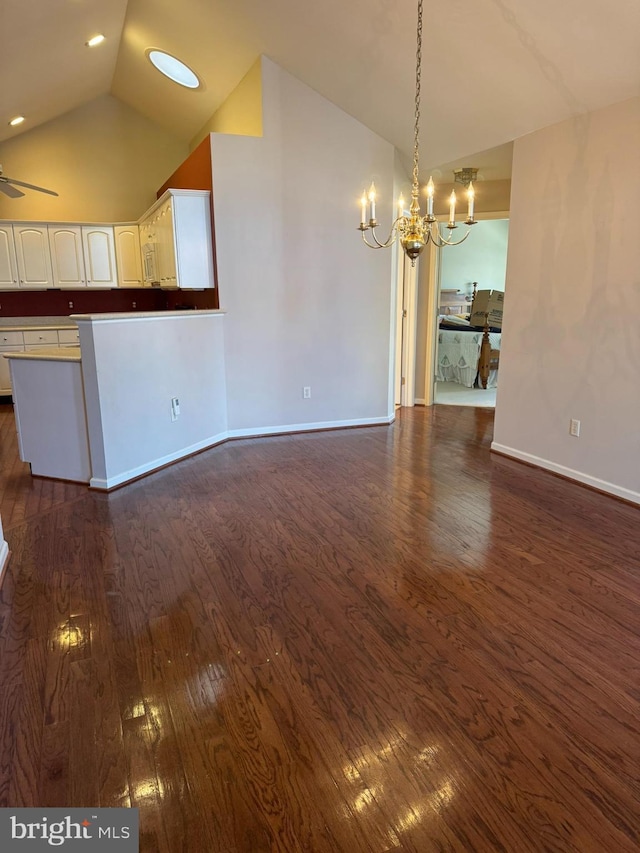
(378,244)
(443,240)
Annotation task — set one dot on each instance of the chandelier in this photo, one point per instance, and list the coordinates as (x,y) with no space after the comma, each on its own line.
(415,230)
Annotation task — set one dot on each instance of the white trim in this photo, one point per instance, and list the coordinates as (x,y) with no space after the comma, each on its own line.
(256,432)
(569,473)
(134,473)
(139,316)
(4,559)
(420,401)
(252,432)
(398,322)
(431,281)
(410,305)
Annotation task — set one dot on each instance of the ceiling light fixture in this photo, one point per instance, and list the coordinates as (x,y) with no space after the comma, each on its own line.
(16,121)
(415,230)
(465,175)
(98,39)
(173,68)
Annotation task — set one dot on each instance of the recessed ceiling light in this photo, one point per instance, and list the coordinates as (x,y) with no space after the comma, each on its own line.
(16,120)
(95,40)
(173,68)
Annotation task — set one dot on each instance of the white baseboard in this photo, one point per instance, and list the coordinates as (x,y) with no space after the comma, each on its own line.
(132,474)
(4,559)
(255,432)
(569,473)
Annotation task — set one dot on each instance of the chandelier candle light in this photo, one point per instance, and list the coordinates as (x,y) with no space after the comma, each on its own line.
(415,230)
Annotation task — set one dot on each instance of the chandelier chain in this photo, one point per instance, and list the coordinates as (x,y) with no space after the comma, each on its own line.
(417,103)
(414,230)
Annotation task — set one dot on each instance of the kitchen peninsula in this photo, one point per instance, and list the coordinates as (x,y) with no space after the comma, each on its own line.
(49,409)
(142,390)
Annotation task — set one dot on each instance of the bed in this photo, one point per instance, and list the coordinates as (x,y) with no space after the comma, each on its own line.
(462,358)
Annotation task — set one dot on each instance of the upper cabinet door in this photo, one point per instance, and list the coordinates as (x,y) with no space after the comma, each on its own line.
(128,258)
(33,256)
(99,256)
(67,258)
(193,240)
(8,265)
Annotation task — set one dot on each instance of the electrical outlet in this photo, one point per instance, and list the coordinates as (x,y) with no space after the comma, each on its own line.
(175,408)
(574,427)
(306,392)
(133,304)
(71,305)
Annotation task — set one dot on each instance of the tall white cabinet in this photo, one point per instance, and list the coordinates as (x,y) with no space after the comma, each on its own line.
(176,241)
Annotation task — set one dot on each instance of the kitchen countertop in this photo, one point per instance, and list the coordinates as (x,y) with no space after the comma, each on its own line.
(8,324)
(47,354)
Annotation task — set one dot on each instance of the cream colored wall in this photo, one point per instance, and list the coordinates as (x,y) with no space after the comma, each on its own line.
(491,196)
(104,159)
(241,113)
(307,304)
(570,343)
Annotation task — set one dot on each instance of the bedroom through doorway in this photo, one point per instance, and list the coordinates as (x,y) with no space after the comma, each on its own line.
(479,264)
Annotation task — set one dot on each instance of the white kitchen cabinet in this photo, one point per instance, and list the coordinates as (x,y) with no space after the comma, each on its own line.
(34,338)
(5,373)
(177,242)
(33,256)
(68,338)
(40,337)
(8,264)
(128,255)
(99,256)
(166,246)
(67,256)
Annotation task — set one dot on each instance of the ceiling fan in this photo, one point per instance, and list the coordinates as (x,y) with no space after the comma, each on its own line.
(7,187)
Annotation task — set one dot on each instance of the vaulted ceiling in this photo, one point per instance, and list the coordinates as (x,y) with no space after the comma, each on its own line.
(493,70)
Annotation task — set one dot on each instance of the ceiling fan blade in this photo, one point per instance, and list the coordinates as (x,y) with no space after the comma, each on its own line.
(29,186)
(7,189)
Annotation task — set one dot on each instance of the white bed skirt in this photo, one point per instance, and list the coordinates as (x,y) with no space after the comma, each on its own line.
(458,354)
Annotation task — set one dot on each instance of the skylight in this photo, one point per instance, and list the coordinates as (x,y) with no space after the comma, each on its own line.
(173,68)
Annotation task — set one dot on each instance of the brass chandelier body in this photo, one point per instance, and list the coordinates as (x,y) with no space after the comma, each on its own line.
(415,230)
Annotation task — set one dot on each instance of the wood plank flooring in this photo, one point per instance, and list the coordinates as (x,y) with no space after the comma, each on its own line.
(370,640)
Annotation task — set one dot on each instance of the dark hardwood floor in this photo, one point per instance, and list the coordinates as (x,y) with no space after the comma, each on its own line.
(363,640)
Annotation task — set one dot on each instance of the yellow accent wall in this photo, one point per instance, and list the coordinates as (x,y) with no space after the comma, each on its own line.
(241,113)
(104,159)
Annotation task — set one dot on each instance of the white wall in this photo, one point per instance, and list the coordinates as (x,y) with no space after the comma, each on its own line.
(570,342)
(482,258)
(307,303)
(132,367)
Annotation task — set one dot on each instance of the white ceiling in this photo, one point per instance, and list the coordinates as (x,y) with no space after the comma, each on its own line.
(493,70)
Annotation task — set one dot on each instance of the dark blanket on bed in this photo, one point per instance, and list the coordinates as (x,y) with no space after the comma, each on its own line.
(458,327)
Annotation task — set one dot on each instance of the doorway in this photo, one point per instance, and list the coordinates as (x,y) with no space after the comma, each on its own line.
(479,263)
